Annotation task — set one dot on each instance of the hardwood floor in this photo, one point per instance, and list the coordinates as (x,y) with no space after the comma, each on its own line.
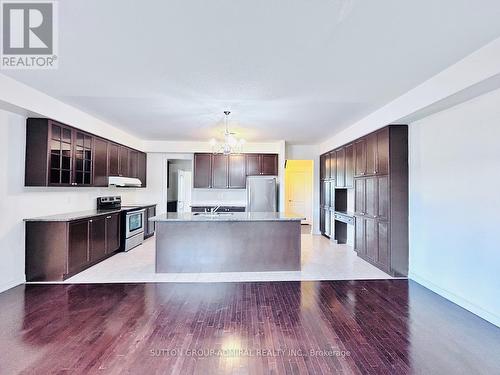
(328,327)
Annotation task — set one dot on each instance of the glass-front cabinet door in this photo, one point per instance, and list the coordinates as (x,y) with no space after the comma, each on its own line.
(83,158)
(61,142)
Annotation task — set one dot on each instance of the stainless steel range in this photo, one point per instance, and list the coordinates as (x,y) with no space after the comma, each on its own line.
(132,223)
(134,228)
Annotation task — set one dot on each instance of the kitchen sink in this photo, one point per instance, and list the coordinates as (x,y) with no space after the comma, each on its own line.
(215,214)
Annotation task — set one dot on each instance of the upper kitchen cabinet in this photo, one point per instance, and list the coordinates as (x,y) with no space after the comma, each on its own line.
(322,166)
(261,164)
(123,166)
(340,167)
(219,171)
(269,164)
(202,171)
(83,157)
(237,171)
(133,163)
(349,166)
(113,159)
(50,153)
(331,171)
(372,154)
(360,158)
(142,168)
(100,162)
(61,155)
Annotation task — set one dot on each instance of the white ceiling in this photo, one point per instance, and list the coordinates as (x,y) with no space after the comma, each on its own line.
(288,69)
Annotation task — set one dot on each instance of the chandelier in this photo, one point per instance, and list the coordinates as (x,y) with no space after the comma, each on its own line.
(230,145)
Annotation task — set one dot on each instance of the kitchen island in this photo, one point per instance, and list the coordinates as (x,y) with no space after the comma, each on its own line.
(227,242)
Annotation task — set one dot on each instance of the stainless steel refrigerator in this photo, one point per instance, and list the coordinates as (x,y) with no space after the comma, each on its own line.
(262,194)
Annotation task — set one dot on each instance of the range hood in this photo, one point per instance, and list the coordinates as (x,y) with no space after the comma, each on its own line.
(124,181)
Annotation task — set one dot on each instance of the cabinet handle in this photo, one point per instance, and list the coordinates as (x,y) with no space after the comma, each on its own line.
(90,221)
(108,217)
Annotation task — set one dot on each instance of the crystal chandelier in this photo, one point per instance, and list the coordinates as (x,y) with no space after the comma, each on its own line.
(230,145)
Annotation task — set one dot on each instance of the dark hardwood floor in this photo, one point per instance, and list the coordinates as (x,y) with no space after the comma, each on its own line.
(329,327)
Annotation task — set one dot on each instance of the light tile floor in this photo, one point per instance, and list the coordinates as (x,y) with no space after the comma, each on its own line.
(321,260)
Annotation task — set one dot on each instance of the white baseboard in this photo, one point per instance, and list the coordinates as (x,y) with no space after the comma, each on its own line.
(11,284)
(460,301)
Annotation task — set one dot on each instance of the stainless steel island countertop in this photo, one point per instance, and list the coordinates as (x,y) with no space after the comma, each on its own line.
(225,216)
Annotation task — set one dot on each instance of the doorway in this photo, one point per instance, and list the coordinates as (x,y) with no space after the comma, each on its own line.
(299,188)
(179,184)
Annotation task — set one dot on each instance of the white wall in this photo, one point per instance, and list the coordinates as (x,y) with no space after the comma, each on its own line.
(455,204)
(18,202)
(308,152)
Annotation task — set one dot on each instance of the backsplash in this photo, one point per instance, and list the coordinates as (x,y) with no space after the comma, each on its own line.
(218,195)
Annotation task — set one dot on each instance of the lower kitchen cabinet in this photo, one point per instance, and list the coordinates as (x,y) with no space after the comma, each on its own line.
(113,233)
(97,246)
(57,250)
(78,245)
(149,226)
(359,235)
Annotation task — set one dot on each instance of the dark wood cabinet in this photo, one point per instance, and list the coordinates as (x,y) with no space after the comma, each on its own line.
(382,152)
(114,159)
(371,154)
(383,255)
(149,226)
(219,171)
(61,155)
(78,245)
(230,171)
(322,220)
(371,197)
(322,167)
(98,241)
(261,164)
(269,164)
(382,198)
(253,164)
(123,162)
(100,162)
(202,171)
(57,250)
(142,168)
(113,233)
(340,168)
(328,167)
(83,158)
(333,165)
(376,165)
(360,158)
(349,166)
(360,196)
(359,235)
(133,164)
(237,171)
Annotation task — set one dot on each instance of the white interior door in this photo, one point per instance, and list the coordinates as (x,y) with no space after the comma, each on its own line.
(184,184)
(298,194)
